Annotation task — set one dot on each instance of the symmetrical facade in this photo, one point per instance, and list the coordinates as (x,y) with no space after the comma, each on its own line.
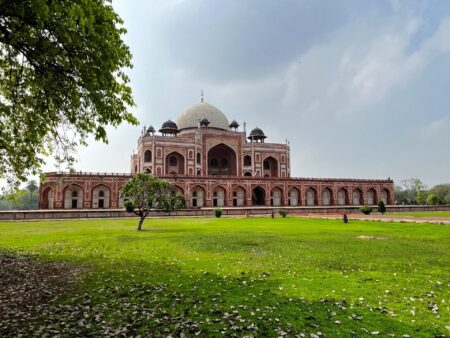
(212,163)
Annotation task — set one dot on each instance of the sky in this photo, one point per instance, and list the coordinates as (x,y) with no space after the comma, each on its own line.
(361,89)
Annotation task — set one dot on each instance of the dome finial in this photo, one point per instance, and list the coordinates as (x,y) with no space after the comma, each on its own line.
(201,96)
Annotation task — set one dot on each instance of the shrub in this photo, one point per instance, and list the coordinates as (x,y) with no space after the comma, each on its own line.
(218,212)
(434,199)
(366,210)
(283,212)
(381,207)
(345,219)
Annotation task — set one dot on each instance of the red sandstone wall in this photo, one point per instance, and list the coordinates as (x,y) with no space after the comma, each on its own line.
(57,183)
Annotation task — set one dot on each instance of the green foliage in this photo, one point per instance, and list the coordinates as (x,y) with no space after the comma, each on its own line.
(381,207)
(218,212)
(144,192)
(365,209)
(283,212)
(296,271)
(178,201)
(61,79)
(434,199)
(422,197)
(443,191)
(21,199)
(406,192)
(129,206)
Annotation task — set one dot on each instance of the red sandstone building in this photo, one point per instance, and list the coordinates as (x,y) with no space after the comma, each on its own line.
(212,163)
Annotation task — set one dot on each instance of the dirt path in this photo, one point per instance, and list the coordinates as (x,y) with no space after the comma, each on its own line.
(382,218)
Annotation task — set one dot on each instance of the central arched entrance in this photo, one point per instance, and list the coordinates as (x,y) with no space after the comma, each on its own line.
(222,161)
(258,196)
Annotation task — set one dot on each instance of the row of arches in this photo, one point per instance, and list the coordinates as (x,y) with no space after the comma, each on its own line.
(239,196)
(74,197)
(276,197)
(221,160)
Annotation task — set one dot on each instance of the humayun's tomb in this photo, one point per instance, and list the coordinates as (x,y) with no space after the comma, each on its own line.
(213,164)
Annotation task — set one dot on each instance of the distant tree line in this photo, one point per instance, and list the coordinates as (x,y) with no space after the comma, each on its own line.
(21,199)
(413,191)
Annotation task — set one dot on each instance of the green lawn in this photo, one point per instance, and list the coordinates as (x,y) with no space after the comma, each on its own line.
(421,214)
(222,277)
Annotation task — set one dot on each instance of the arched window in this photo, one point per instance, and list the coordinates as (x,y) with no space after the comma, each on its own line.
(239,197)
(101,193)
(326,197)
(275,197)
(342,198)
(218,199)
(370,197)
(73,197)
(197,198)
(199,158)
(247,161)
(199,172)
(293,197)
(270,167)
(222,161)
(173,161)
(310,197)
(357,197)
(147,156)
(214,163)
(175,164)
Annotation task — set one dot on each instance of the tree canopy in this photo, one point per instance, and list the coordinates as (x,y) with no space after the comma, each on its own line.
(21,199)
(144,192)
(62,79)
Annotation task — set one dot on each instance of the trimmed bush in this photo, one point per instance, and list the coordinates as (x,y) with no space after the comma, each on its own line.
(381,207)
(283,212)
(218,212)
(345,219)
(366,210)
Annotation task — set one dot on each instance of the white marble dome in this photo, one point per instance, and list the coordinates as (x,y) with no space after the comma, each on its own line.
(191,116)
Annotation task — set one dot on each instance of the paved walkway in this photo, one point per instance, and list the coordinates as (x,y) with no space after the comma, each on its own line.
(382,218)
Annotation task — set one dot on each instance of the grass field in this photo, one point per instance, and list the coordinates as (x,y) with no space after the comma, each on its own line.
(445,214)
(245,277)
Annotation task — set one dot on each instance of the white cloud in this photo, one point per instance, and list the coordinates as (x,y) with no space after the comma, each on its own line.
(361,67)
(438,127)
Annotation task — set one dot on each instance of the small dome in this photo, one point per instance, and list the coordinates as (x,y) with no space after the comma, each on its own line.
(257,134)
(169,124)
(234,124)
(202,110)
(150,130)
(169,127)
(204,120)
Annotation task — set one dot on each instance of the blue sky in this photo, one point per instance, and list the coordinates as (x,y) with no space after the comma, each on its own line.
(360,88)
